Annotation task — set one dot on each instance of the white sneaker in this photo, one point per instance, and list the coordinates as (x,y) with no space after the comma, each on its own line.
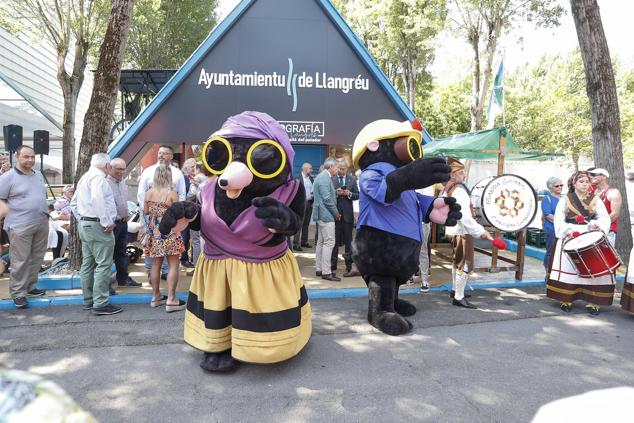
(424,287)
(410,281)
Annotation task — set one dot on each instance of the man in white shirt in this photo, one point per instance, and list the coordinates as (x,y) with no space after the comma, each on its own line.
(94,207)
(461,235)
(307,179)
(165,155)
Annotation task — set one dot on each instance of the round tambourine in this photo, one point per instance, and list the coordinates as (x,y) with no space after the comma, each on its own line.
(507,203)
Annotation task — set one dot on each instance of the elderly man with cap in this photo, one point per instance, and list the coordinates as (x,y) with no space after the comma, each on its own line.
(461,235)
(611,198)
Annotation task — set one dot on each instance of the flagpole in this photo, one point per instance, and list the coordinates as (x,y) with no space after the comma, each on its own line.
(503,102)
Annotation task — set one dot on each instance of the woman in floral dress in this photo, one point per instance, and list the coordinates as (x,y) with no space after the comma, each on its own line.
(157,200)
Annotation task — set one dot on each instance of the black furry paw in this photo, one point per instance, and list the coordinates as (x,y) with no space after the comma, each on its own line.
(275,215)
(404,308)
(177,211)
(454,211)
(392,324)
(218,362)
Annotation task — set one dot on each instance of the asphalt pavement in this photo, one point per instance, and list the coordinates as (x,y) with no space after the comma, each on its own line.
(498,363)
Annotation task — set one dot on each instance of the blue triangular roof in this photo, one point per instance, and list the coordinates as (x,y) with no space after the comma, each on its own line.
(119,146)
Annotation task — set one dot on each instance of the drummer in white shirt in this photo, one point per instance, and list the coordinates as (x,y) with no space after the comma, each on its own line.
(578,212)
(461,235)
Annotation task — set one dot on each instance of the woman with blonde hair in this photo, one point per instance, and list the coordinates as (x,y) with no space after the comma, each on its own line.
(157,200)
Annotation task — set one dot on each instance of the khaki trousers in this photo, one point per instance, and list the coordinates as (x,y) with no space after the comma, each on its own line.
(28,244)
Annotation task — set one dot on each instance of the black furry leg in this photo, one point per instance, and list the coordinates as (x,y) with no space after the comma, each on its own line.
(381,313)
(402,307)
(218,362)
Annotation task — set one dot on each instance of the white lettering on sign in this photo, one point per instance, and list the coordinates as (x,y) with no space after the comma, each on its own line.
(290,81)
(304,131)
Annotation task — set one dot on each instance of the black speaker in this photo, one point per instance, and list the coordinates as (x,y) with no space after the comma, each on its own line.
(40,142)
(12,137)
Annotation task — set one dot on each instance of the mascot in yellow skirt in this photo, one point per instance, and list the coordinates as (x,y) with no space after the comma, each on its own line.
(247,301)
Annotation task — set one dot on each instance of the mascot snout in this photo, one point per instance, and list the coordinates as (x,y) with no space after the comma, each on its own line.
(234,179)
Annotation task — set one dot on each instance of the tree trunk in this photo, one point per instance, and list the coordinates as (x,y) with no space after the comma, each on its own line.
(476,107)
(604,107)
(71,85)
(96,130)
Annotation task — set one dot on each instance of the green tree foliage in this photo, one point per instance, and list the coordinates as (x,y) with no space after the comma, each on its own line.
(400,34)
(165,33)
(445,109)
(625,89)
(481,23)
(547,108)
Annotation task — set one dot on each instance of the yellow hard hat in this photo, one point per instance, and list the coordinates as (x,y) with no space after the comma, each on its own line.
(381,129)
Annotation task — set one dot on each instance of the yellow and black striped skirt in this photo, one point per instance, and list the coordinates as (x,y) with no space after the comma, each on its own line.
(259,310)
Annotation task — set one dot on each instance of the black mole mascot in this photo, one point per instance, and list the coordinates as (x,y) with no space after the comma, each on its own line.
(391,213)
(247,301)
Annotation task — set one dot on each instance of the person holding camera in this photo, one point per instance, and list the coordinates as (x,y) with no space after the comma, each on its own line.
(346,189)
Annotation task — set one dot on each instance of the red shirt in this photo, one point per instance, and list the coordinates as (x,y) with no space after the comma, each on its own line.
(604,197)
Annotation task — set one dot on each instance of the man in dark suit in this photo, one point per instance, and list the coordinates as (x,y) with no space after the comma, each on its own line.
(346,188)
(307,179)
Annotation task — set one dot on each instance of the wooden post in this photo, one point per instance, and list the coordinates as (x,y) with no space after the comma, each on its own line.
(501,151)
(519,257)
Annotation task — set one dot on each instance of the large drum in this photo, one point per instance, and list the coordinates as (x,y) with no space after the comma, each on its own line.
(507,203)
(592,255)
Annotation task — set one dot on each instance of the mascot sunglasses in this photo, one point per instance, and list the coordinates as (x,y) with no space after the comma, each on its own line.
(265,158)
(408,149)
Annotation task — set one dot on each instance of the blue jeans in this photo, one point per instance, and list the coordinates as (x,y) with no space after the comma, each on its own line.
(550,245)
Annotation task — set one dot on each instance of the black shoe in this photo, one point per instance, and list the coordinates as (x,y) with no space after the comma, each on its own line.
(332,277)
(317,273)
(567,307)
(351,274)
(164,276)
(297,248)
(129,282)
(462,303)
(86,307)
(36,293)
(453,294)
(21,302)
(112,291)
(106,310)
(188,264)
(307,245)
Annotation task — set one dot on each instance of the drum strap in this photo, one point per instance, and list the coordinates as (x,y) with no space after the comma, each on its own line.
(450,188)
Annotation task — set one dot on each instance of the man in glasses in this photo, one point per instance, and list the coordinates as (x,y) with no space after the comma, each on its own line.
(610,196)
(120,193)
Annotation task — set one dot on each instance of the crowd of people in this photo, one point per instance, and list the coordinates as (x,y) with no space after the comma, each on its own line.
(100,205)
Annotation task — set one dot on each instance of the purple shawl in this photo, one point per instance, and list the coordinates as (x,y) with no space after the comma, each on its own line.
(258,126)
(242,240)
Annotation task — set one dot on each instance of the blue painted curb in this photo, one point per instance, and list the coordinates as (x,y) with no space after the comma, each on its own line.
(529,250)
(61,282)
(312,294)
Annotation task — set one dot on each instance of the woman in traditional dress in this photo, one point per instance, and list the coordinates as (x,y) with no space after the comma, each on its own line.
(578,212)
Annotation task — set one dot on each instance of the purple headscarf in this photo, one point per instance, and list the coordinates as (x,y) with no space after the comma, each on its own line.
(259,126)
